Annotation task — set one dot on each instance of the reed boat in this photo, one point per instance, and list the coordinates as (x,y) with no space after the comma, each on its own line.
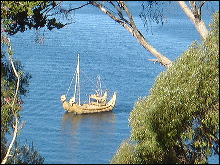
(96,102)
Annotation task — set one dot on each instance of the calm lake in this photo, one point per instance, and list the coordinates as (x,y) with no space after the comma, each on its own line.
(107,50)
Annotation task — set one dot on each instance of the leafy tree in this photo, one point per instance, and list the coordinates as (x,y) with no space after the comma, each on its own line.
(10,107)
(23,15)
(179,121)
(18,16)
(25,155)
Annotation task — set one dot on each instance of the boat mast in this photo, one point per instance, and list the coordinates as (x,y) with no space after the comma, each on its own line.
(77,82)
(99,85)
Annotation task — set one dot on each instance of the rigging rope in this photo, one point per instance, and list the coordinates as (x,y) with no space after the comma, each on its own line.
(85,77)
(70,84)
(88,78)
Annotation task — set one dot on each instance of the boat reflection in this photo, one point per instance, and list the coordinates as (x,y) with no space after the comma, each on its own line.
(91,122)
(87,135)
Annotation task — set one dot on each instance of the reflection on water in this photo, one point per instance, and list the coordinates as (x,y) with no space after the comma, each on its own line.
(88,135)
(95,119)
(93,123)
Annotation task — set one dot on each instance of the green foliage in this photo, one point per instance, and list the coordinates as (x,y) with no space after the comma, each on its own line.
(126,154)
(19,16)
(21,155)
(8,86)
(11,104)
(22,15)
(25,155)
(179,121)
(6,71)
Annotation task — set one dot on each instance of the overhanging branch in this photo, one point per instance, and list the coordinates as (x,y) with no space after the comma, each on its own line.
(131,27)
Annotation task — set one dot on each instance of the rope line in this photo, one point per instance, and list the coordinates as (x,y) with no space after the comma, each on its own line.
(89,79)
(96,85)
(70,84)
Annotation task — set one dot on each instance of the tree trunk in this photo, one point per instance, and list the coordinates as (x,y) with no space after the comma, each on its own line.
(195,16)
(131,27)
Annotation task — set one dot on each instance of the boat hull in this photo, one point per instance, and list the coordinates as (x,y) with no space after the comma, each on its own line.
(90,107)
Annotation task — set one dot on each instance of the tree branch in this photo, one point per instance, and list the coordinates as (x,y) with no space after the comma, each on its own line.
(78,7)
(15,126)
(124,6)
(120,13)
(134,31)
(195,17)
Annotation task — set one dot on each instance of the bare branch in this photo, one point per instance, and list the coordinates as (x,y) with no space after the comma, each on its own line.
(154,60)
(195,17)
(120,12)
(200,8)
(78,7)
(123,5)
(186,10)
(64,11)
(131,27)
(108,13)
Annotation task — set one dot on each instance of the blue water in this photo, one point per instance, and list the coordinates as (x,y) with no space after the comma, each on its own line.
(107,50)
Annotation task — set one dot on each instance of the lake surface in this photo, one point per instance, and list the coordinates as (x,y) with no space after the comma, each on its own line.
(107,50)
